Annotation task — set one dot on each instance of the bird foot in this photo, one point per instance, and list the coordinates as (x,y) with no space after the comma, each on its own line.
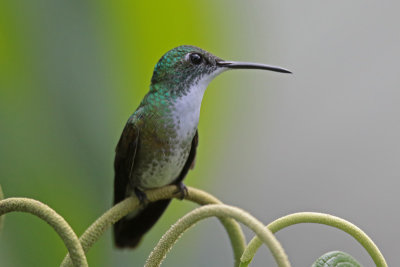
(182,190)
(141,195)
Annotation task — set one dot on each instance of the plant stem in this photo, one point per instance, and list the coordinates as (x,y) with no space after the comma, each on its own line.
(320,218)
(93,233)
(237,238)
(47,214)
(2,217)
(219,210)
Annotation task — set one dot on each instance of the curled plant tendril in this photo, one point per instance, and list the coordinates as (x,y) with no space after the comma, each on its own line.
(320,218)
(227,215)
(47,214)
(1,217)
(336,258)
(220,210)
(93,233)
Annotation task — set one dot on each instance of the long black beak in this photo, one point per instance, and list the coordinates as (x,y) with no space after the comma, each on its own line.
(249,65)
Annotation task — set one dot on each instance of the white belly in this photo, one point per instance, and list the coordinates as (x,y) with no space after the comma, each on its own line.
(185,115)
(165,171)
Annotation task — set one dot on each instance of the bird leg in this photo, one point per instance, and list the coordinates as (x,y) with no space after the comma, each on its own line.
(140,195)
(182,189)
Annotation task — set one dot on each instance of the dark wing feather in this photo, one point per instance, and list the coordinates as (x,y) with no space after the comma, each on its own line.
(191,159)
(124,160)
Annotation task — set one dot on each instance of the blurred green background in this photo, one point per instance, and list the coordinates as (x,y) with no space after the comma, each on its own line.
(71,75)
(324,139)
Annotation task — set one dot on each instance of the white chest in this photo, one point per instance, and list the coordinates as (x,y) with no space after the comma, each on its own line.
(186,110)
(185,113)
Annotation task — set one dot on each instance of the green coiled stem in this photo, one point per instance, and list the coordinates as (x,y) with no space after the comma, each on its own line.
(47,214)
(219,210)
(93,233)
(1,217)
(320,218)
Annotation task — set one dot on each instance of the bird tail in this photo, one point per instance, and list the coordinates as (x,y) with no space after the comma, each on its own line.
(129,230)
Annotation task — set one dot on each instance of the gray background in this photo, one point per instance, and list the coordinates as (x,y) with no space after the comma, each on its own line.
(327,138)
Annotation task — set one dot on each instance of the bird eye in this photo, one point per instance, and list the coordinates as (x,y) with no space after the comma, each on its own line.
(196,58)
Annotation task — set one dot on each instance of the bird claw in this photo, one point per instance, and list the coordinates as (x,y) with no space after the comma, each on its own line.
(141,195)
(182,190)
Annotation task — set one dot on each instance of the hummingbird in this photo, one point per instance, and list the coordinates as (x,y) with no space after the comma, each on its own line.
(158,144)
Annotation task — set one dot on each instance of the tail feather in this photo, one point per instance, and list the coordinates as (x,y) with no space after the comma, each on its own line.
(129,231)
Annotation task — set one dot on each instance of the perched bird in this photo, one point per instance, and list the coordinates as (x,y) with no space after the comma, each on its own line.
(158,144)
